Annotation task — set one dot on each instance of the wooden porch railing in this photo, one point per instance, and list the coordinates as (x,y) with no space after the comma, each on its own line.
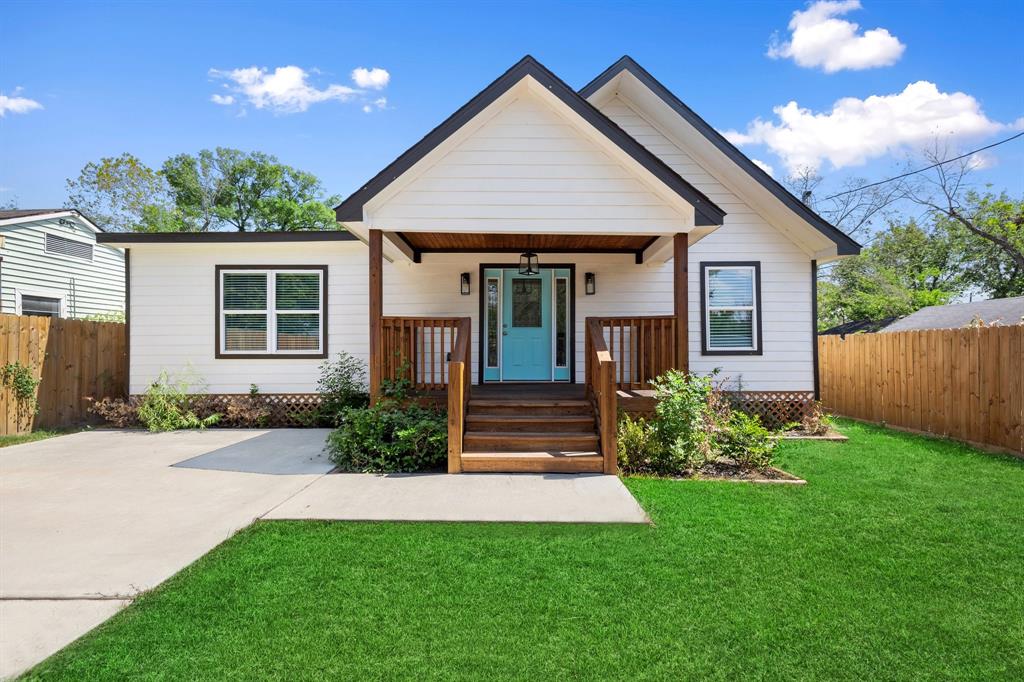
(601,388)
(644,346)
(416,348)
(460,381)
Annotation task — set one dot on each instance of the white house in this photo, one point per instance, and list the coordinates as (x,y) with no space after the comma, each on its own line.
(50,264)
(539,255)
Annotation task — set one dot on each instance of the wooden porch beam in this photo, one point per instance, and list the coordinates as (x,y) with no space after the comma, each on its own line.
(376,295)
(680,289)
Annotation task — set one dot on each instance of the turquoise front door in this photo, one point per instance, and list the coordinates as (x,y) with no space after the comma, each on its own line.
(526,326)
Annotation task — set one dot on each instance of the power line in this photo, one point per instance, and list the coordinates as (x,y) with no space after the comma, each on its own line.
(921,170)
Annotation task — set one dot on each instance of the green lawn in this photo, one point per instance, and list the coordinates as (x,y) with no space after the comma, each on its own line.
(42,434)
(902,559)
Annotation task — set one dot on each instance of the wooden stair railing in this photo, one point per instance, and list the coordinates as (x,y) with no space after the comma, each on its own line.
(460,380)
(602,389)
(416,349)
(644,346)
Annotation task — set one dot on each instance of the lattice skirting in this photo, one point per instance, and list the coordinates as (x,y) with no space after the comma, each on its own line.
(270,410)
(775,408)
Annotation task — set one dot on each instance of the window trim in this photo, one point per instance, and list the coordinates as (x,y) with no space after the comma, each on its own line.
(705,333)
(77,259)
(488,323)
(42,293)
(222,354)
(554,322)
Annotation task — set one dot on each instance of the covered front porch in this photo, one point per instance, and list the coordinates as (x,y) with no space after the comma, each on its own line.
(560,422)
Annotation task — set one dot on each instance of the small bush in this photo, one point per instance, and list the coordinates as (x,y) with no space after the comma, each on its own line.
(22,382)
(389,437)
(685,420)
(639,449)
(342,385)
(747,442)
(817,422)
(167,405)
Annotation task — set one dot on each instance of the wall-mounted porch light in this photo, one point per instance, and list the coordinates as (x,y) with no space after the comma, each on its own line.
(529,264)
(589,284)
(464,283)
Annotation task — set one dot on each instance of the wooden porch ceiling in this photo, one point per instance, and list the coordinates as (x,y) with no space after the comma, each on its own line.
(449,242)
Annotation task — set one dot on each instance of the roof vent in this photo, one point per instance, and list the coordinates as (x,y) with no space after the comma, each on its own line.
(68,247)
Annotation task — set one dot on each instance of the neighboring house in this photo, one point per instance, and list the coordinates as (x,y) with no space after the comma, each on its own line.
(50,264)
(631,210)
(858,327)
(996,311)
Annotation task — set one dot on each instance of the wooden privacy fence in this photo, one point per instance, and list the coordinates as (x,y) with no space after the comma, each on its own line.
(966,384)
(73,359)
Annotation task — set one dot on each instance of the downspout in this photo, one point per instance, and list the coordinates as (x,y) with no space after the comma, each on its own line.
(814,328)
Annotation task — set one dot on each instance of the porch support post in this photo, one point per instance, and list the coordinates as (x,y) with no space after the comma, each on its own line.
(376,311)
(680,288)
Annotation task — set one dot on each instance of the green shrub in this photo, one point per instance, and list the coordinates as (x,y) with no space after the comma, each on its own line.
(686,420)
(639,449)
(342,385)
(167,405)
(389,437)
(747,442)
(22,382)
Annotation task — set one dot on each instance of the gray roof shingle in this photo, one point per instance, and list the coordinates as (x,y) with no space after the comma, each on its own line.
(993,311)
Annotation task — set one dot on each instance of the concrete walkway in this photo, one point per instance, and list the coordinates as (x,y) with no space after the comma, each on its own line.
(89,520)
(567,498)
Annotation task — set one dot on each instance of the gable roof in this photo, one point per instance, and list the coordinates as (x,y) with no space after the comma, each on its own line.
(845,246)
(706,212)
(997,311)
(25,215)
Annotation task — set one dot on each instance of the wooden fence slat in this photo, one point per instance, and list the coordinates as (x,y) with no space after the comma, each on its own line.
(963,383)
(73,360)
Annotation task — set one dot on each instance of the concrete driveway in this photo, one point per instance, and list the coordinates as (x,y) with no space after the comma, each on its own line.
(89,520)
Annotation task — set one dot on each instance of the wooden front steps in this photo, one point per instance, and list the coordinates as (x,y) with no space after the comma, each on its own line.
(530,435)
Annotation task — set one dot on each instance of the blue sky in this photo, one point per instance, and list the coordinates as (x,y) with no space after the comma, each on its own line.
(87,80)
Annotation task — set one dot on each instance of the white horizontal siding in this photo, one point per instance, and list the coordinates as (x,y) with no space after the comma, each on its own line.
(88,287)
(528,170)
(173,315)
(787,362)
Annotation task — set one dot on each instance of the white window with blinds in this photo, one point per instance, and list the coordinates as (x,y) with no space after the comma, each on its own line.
(731,317)
(271,312)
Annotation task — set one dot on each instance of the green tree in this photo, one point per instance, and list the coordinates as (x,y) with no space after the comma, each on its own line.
(989,233)
(212,190)
(123,194)
(906,268)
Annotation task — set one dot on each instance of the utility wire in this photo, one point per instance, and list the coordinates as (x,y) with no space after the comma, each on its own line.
(921,170)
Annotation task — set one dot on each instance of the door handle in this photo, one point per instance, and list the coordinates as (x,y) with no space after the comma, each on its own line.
(505,333)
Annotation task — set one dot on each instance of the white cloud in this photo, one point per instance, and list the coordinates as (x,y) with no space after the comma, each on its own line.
(223,100)
(982,160)
(764,166)
(371,79)
(377,104)
(857,130)
(17,105)
(819,39)
(284,90)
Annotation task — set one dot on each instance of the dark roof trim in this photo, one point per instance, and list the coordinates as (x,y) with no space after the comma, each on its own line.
(35,213)
(705,210)
(222,237)
(845,245)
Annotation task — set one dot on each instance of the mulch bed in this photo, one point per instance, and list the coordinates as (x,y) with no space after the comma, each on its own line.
(798,434)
